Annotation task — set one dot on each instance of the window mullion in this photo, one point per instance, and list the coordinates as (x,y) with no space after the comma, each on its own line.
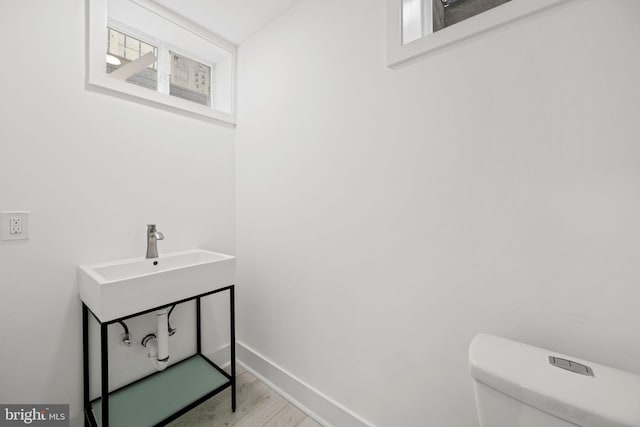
(164,69)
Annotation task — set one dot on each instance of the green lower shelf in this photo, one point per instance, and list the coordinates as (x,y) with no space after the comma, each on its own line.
(155,398)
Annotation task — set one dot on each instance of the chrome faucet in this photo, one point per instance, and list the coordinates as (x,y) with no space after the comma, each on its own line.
(152,241)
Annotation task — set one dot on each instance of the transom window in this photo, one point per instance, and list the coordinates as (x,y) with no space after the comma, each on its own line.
(148,52)
(141,62)
(417,27)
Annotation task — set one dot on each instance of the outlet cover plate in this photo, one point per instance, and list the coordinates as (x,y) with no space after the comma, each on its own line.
(5,225)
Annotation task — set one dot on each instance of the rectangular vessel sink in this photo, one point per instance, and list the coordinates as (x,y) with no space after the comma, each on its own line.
(117,289)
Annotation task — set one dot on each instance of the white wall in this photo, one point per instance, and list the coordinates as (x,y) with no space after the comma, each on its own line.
(387,216)
(223,84)
(93,170)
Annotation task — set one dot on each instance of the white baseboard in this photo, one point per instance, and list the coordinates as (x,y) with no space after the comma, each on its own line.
(221,357)
(324,410)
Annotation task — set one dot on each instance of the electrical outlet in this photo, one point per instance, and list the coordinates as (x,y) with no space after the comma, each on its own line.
(14,225)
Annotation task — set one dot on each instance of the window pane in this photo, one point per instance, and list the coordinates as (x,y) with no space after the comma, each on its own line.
(190,79)
(455,11)
(132,51)
(124,49)
(116,43)
(146,48)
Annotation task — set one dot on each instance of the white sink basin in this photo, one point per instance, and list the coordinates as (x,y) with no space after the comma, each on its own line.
(116,289)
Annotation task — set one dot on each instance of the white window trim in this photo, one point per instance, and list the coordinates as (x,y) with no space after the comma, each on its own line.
(398,54)
(96,70)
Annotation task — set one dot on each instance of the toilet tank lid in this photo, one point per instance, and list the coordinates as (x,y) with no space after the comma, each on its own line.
(609,398)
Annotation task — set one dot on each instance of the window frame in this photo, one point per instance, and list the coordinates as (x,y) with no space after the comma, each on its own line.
(400,54)
(97,77)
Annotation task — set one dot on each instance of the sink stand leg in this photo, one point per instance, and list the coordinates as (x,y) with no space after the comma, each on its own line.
(85,362)
(232,342)
(104,353)
(198,327)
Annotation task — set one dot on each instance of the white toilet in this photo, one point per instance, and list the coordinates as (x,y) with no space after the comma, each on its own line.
(518,385)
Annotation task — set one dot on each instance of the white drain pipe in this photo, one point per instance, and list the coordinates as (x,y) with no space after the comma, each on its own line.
(158,343)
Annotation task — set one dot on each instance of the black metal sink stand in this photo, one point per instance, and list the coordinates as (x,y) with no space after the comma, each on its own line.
(229,380)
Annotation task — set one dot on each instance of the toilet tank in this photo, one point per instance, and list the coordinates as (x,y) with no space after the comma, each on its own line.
(518,385)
